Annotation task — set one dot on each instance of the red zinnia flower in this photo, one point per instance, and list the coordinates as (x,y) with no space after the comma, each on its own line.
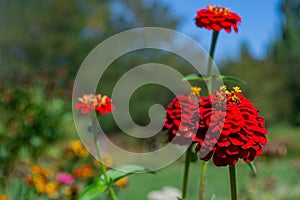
(94,102)
(230,128)
(217,18)
(181,115)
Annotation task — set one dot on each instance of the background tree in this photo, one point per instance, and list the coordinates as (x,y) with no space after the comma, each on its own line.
(273,83)
(286,55)
(45,42)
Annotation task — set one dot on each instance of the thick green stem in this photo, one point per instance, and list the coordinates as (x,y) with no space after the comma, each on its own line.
(209,86)
(232,175)
(186,173)
(99,154)
(211,54)
(202,181)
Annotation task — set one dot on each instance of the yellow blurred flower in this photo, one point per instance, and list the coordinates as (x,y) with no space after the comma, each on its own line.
(78,149)
(3,197)
(67,190)
(83,171)
(40,184)
(51,188)
(123,182)
(71,191)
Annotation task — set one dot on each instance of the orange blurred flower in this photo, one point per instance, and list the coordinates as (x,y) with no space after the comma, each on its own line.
(40,171)
(123,182)
(84,171)
(3,197)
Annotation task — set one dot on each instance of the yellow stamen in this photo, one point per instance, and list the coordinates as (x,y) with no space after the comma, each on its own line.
(195,91)
(210,7)
(224,88)
(218,9)
(235,98)
(237,89)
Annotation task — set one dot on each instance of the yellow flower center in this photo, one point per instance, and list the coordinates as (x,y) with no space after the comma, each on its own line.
(218,10)
(230,96)
(101,100)
(234,96)
(88,99)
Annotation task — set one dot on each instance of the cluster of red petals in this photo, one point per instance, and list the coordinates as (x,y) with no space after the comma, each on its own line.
(217,18)
(230,128)
(224,125)
(90,102)
(180,115)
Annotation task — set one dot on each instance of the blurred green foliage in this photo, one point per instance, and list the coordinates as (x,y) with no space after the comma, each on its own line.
(42,45)
(30,121)
(274,83)
(48,40)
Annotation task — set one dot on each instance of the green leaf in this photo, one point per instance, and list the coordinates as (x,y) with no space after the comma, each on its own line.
(252,167)
(100,186)
(93,190)
(117,173)
(194,77)
(232,79)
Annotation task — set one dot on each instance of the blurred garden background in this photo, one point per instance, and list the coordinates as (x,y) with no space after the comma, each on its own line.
(42,45)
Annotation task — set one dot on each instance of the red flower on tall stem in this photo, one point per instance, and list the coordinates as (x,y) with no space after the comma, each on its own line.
(217,18)
(230,128)
(181,117)
(97,102)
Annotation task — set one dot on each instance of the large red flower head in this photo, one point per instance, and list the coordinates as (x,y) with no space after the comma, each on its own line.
(217,18)
(230,128)
(97,102)
(181,117)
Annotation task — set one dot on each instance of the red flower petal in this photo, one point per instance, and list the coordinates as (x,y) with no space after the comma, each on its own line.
(180,120)
(236,141)
(240,135)
(85,110)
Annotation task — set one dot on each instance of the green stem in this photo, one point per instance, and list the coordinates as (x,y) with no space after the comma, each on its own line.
(211,54)
(232,175)
(209,86)
(98,150)
(202,181)
(186,173)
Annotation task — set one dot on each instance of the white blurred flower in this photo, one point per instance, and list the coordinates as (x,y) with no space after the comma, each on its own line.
(166,193)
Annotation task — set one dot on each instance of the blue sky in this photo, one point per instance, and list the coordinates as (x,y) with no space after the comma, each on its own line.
(260,25)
